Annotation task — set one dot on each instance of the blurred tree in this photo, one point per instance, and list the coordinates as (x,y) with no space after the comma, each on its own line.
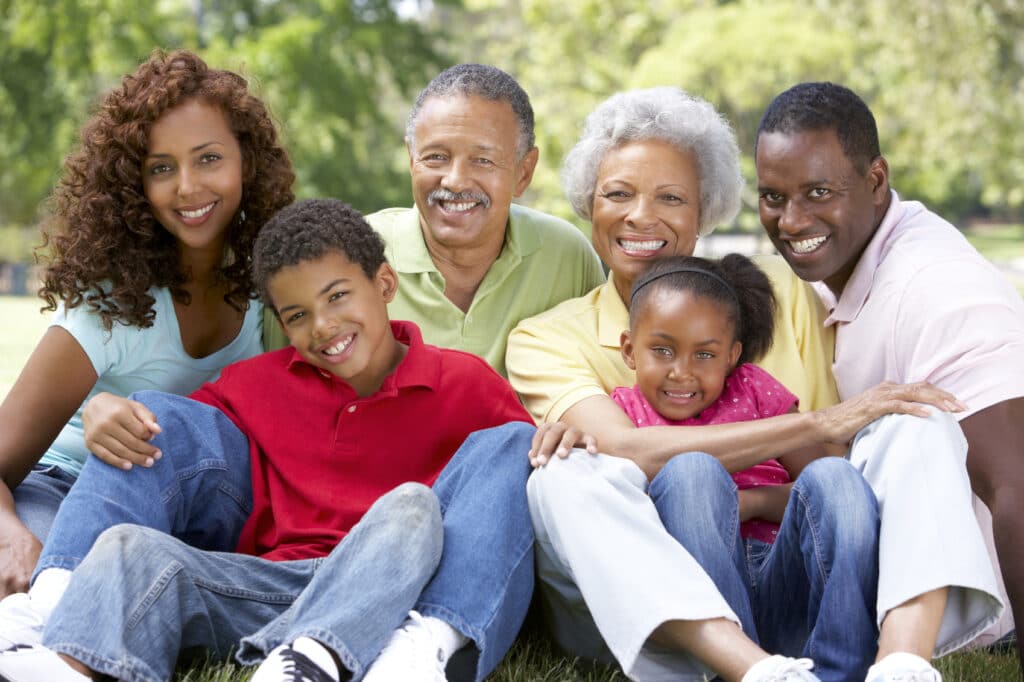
(334,72)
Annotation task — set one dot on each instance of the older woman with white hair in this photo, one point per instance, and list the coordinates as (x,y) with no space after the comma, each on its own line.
(653,171)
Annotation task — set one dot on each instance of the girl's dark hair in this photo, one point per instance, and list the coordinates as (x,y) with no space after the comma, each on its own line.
(744,292)
(105,248)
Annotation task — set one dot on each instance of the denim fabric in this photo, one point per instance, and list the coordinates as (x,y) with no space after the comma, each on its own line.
(159,595)
(485,580)
(811,593)
(39,495)
(199,491)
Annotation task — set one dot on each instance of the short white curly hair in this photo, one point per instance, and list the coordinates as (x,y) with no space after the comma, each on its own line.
(689,123)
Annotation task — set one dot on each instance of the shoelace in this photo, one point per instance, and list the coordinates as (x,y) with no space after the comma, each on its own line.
(300,668)
(786,672)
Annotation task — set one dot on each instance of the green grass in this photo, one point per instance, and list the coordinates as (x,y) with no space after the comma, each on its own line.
(532,659)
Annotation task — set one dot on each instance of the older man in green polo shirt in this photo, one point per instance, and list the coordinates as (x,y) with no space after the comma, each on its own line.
(470,263)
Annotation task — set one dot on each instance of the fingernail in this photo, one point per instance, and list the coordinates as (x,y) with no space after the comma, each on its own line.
(149,462)
(157,454)
(561,451)
(543,460)
(126,466)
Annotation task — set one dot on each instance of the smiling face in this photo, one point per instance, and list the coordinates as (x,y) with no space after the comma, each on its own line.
(337,319)
(466,171)
(682,347)
(192,175)
(819,210)
(646,206)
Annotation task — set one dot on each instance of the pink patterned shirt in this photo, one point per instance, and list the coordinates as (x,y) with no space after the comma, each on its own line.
(749,393)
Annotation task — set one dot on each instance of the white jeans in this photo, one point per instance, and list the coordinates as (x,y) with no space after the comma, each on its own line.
(609,572)
(929,535)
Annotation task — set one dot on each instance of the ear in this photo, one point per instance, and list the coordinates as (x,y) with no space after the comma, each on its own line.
(408,148)
(734,354)
(386,281)
(878,174)
(524,171)
(626,347)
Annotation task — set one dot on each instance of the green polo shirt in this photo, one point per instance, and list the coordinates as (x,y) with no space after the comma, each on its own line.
(544,261)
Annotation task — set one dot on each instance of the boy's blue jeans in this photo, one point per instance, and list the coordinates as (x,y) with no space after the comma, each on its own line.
(200,492)
(812,592)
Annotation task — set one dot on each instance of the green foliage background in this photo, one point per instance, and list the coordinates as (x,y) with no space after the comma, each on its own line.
(946,80)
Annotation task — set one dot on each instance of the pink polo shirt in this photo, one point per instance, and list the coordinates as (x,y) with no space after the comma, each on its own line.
(924,305)
(749,393)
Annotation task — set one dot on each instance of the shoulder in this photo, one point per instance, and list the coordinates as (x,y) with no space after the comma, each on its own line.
(389,220)
(581,310)
(258,368)
(549,226)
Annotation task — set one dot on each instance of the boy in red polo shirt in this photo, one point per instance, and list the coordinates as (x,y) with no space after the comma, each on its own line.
(327,571)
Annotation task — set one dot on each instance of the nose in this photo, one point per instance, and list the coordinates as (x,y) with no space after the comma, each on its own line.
(456,177)
(794,218)
(641,213)
(680,369)
(324,328)
(187,182)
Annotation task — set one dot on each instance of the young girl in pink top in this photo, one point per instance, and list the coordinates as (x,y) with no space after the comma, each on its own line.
(791,543)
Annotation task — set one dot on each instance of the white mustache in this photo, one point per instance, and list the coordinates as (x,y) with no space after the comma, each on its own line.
(441,194)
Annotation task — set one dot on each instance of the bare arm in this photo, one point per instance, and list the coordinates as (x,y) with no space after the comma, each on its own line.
(995,440)
(743,444)
(53,383)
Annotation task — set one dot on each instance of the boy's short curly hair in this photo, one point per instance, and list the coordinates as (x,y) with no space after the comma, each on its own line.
(308,230)
(104,248)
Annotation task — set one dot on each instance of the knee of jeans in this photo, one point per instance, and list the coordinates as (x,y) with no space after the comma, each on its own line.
(414,508)
(125,540)
(845,497)
(692,475)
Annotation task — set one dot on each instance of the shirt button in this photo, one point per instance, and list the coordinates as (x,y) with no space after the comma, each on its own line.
(351,408)
(469,318)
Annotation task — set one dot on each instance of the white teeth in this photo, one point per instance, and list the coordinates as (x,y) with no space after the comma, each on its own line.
(649,245)
(678,394)
(462,206)
(339,347)
(198,213)
(808,245)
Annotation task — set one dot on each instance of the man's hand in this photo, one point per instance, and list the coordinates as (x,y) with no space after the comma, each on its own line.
(840,423)
(558,438)
(117,430)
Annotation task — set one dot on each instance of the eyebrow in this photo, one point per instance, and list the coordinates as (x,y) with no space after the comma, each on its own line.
(198,147)
(330,285)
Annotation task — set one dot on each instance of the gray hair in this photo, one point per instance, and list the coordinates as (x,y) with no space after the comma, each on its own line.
(688,123)
(486,82)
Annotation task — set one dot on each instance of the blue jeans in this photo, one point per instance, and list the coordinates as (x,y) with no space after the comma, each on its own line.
(39,496)
(141,596)
(199,491)
(812,592)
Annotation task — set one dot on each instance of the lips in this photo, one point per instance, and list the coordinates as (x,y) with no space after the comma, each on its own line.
(638,247)
(194,216)
(810,245)
(339,346)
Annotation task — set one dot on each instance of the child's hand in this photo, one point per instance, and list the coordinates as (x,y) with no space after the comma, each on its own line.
(558,438)
(117,430)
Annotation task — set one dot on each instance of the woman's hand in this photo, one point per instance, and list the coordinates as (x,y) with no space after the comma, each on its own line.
(19,552)
(558,438)
(117,430)
(840,423)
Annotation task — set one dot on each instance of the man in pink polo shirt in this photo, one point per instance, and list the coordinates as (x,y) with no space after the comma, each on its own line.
(911,300)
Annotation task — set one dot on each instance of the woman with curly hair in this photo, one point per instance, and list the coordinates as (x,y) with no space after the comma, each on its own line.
(149,271)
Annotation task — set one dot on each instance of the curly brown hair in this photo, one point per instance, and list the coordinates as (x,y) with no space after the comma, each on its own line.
(106,249)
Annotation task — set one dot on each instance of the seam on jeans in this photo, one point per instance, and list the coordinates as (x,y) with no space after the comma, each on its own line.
(815,531)
(251,595)
(153,593)
(128,669)
(191,472)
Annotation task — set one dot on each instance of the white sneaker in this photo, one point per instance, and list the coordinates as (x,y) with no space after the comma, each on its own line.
(304,660)
(20,622)
(781,669)
(412,654)
(34,663)
(903,667)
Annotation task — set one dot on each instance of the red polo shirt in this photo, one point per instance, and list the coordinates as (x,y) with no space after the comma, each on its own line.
(321,455)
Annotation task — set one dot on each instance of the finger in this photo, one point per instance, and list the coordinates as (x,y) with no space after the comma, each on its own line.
(108,457)
(549,443)
(590,443)
(145,417)
(568,442)
(120,451)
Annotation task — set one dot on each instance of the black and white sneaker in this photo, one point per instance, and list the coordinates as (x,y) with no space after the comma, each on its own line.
(304,660)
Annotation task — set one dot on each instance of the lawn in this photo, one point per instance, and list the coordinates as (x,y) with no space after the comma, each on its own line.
(532,659)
